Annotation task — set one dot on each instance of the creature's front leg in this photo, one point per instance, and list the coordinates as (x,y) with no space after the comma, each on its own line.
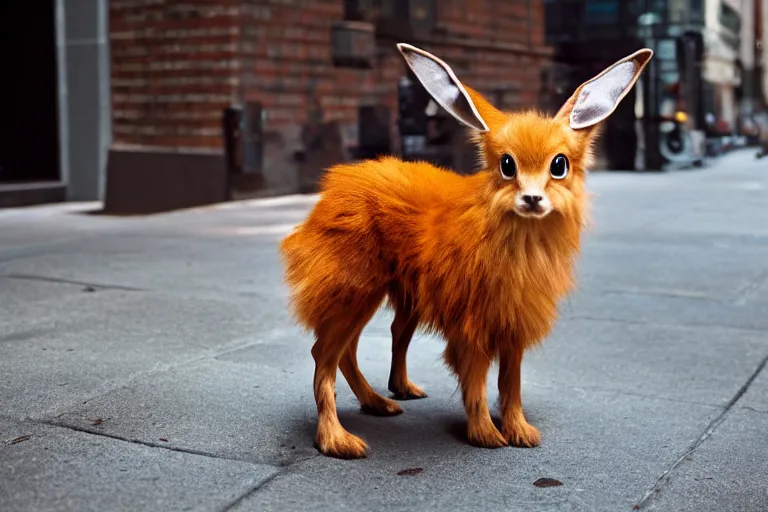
(471,366)
(514,426)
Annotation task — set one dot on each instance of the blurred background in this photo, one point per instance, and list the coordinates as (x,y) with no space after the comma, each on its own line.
(153,105)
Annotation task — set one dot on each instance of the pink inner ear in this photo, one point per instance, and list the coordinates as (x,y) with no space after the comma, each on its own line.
(599,98)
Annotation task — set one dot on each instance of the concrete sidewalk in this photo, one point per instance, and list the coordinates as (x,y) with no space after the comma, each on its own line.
(149,364)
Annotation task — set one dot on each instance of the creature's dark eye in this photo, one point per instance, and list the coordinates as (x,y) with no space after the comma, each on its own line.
(508,166)
(559,167)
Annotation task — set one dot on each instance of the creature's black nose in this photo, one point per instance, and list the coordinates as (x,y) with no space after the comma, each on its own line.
(532,200)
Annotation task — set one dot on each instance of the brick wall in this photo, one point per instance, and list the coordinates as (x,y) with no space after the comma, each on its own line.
(496,46)
(177,64)
(286,52)
(174,68)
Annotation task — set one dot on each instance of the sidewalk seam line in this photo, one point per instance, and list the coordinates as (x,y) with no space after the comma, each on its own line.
(208,355)
(252,490)
(656,488)
(47,279)
(628,321)
(282,470)
(144,443)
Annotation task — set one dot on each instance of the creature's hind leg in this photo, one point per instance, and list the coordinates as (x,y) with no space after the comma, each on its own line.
(403,326)
(371,402)
(333,338)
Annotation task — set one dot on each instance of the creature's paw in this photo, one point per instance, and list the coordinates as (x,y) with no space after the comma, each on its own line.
(522,434)
(486,436)
(380,406)
(409,391)
(341,444)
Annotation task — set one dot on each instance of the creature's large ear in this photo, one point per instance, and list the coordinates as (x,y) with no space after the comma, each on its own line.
(596,99)
(441,83)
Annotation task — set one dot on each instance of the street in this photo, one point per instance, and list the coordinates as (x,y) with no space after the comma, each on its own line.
(149,363)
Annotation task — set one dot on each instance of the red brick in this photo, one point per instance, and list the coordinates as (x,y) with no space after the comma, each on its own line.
(176,65)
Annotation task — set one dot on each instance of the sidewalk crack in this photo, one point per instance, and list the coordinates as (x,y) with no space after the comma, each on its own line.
(283,470)
(253,490)
(657,486)
(46,279)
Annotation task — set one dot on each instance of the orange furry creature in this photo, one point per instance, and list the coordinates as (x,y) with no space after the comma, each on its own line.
(483,259)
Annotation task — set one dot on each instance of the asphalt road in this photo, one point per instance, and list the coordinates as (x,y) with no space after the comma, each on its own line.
(149,364)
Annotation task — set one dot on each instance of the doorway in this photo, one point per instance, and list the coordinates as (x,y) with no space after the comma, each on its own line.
(29,120)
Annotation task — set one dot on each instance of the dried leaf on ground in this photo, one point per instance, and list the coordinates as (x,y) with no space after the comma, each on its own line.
(17,440)
(547,482)
(410,471)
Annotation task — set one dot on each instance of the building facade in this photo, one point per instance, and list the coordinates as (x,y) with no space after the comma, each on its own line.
(152,105)
(56,101)
(697,68)
(722,71)
(309,83)
(754,87)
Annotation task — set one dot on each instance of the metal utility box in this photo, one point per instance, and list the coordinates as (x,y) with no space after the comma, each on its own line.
(244,138)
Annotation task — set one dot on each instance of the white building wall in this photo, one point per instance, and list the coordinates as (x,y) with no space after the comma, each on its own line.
(720,61)
(747,49)
(765,49)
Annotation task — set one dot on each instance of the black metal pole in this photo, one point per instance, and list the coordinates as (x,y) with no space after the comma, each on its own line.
(653,159)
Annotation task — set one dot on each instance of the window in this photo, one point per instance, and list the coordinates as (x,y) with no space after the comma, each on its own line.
(678,11)
(696,12)
(394,18)
(561,20)
(729,18)
(601,12)
(359,10)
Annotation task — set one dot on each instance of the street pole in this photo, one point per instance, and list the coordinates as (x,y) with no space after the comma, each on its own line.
(653,159)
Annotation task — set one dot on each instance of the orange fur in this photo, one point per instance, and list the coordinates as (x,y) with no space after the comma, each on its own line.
(453,257)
